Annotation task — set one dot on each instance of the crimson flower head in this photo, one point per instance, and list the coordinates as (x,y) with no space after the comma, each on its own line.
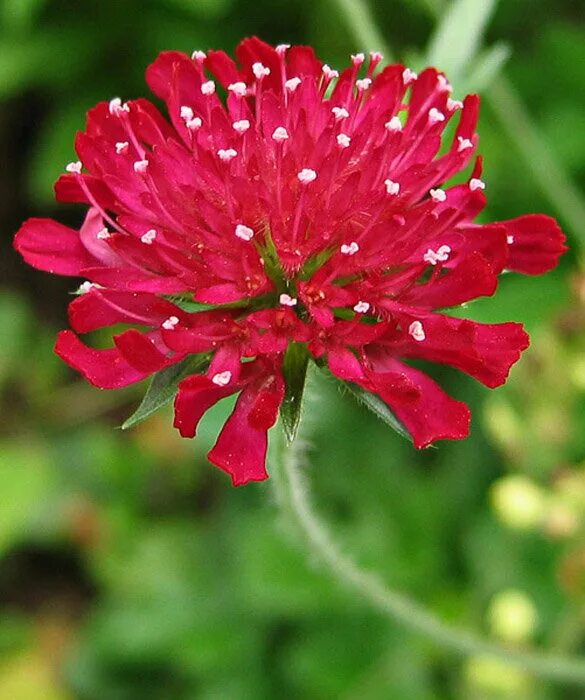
(285,212)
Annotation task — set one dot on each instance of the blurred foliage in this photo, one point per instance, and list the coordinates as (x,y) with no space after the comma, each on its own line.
(131,570)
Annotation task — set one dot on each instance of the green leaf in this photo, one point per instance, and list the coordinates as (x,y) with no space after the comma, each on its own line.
(163,388)
(458,37)
(295,372)
(378,407)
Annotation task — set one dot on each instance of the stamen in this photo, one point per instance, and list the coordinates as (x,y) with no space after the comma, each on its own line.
(194,124)
(435,116)
(350,249)
(376,56)
(103,235)
(281,49)
(438,195)
(117,107)
(343,140)
(186,113)
(244,232)
(392,187)
(307,175)
(476,184)
(287,300)
(122,147)
(292,84)
(280,134)
(241,126)
(363,84)
(452,105)
(208,88)
(85,287)
(442,255)
(238,89)
(340,113)
(329,72)
(140,166)
(226,154)
(464,144)
(222,378)
(260,70)
(74,167)
(417,331)
(394,124)
(148,237)
(170,323)
(357,59)
(509,240)
(444,84)
(362,307)
(408,76)
(199,56)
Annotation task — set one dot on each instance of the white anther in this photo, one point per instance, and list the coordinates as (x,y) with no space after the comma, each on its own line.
(476,184)
(74,167)
(408,76)
(280,134)
(392,187)
(435,116)
(199,56)
(452,105)
(292,84)
(339,113)
(464,144)
(85,287)
(343,140)
(170,323)
(509,240)
(441,255)
(117,107)
(194,124)
(238,89)
(241,126)
(122,147)
(444,84)
(376,56)
(103,234)
(222,378)
(307,175)
(357,59)
(394,124)
(148,237)
(349,249)
(140,166)
(362,307)
(226,154)
(281,49)
(208,88)
(287,300)
(186,113)
(363,84)
(244,232)
(417,331)
(329,72)
(260,70)
(438,195)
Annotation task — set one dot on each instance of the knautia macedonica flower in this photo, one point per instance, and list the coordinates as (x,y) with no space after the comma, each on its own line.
(302,216)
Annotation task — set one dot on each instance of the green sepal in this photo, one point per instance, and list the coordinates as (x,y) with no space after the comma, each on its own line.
(163,387)
(295,364)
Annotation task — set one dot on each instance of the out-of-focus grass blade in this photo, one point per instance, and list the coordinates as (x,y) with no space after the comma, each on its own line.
(458,36)
(486,67)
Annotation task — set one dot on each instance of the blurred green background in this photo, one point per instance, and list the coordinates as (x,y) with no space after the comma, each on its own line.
(130,569)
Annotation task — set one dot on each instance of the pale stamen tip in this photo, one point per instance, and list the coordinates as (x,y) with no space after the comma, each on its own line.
(74,167)
(170,323)
(435,116)
(292,84)
(287,300)
(140,166)
(438,195)
(307,175)
(363,84)
(226,154)
(260,70)
(199,56)
(148,237)
(245,233)
(280,134)
(208,87)
(392,187)
(476,184)
(362,307)
(343,140)
(103,234)
(339,113)
(408,76)
(463,144)
(222,378)
(241,126)
(394,124)
(417,331)
(349,248)
(357,59)
(122,147)
(238,89)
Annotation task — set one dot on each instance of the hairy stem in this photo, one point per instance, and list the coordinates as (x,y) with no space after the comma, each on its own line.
(293,498)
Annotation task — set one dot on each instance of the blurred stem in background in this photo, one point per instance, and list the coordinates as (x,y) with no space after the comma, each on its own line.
(548,172)
(295,503)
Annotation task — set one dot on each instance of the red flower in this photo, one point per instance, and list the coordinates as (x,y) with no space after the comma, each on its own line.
(306,209)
